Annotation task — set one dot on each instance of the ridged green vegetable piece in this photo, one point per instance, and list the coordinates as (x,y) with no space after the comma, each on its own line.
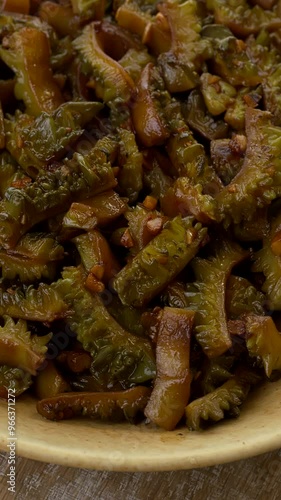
(224,399)
(242,298)
(43,303)
(46,138)
(266,262)
(188,49)
(35,257)
(116,352)
(263,342)
(19,349)
(134,61)
(259,180)
(130,161)
(187,199)
(208,297)
(215,372)
(242,19)
(160,261)
(53,191)
(111,80)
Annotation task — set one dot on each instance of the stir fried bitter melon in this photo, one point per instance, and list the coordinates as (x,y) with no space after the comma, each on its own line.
(140,212)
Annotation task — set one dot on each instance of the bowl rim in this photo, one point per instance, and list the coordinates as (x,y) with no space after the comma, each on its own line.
(124,447)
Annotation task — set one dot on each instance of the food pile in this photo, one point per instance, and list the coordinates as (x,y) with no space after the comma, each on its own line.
(140,212)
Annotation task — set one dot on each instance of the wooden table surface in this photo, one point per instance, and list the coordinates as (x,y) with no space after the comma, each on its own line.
(257,478)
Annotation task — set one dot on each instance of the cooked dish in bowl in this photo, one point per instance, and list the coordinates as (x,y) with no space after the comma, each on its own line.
(140,219)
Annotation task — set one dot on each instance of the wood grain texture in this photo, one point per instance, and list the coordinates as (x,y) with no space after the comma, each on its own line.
(258,478)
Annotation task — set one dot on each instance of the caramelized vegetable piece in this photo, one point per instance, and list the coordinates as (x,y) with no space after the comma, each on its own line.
(232,63)
(110,80)
(218,95)
(143,225)
(172,385)
(242,19)
(146,108)
(13,378)
(18,349)
(175,295)
(49,382)
(186,199)
(264,342)
(20,6)
(159,262)
(55,190)
(27,52)
(96,255)
(258,182)
(116,41)
(131,17)
(157,34)
(188,50)
(76,361)
(88,7)
(200,120)
(60,17)
(227,157)
(116,353)
(123,405)
(35,256)
(226,398)
(100,210)
(47,138)
(208,297)
(235,114)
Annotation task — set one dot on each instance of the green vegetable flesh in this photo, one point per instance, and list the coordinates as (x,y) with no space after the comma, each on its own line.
(117,353)
(111,81)
(36,304)
(35,257)
(224,399)
(18,349)
(47,137)
(242,298)
(264,342)
(54,190)
(159,262)
(258,181)
(208,297)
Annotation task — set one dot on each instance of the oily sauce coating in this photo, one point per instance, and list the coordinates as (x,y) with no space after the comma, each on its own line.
(140,216)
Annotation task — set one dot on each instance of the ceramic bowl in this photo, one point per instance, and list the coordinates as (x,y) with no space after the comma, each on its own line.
(124,447)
